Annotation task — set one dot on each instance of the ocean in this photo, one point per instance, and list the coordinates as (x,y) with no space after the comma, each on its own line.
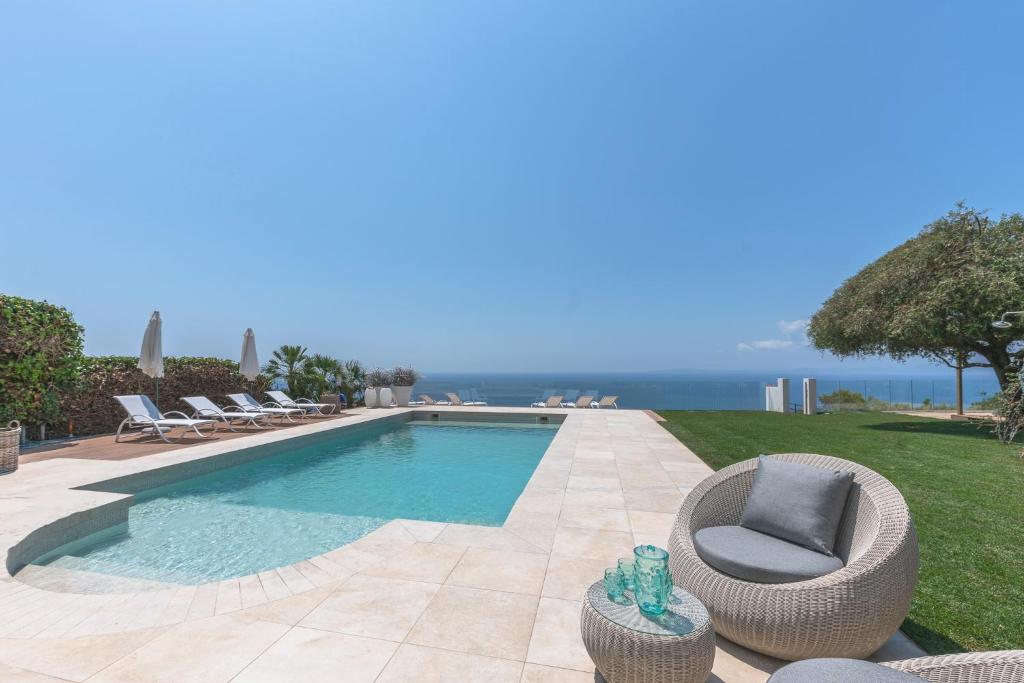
(707,391)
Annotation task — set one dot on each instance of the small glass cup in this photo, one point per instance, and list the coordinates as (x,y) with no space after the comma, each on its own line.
(613,584)
(627,567)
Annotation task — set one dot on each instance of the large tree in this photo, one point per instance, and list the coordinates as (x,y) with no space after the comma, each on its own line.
(936,295)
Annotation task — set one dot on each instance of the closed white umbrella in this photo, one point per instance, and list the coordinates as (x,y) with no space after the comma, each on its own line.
(250,365)
(151,357)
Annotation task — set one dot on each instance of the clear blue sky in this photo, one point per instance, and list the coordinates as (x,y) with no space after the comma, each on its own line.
(490,186)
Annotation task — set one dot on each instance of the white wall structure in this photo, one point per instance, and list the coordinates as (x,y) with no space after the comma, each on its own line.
(776,396)
(810,396)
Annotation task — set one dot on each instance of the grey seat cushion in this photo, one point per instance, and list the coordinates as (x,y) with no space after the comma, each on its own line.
(752,556)
(839,671)
(797,502)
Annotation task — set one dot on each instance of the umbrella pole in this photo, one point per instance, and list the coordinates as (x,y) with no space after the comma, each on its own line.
(158,393)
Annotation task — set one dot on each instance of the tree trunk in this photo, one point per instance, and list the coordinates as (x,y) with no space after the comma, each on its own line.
(960,386)
(999,359)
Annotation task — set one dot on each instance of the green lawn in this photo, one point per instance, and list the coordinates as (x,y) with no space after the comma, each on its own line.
(964,488)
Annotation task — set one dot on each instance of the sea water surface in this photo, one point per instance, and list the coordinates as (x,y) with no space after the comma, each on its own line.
(312,499)
(707,390)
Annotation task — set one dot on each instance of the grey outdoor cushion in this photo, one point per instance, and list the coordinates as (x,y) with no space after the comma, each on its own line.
(752,556)
(797,502)
(839,671)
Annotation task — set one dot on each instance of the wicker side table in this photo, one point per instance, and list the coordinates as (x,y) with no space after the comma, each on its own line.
(628,647)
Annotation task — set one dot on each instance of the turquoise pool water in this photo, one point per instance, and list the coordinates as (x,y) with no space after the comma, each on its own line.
(312,499)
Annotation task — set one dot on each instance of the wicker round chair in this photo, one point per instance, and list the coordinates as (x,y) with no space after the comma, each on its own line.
(848,613)
(1006,666)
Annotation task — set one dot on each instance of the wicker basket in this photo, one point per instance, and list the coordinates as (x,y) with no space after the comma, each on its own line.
(10,443)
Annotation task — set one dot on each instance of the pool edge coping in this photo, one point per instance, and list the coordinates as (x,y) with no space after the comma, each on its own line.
(366,551)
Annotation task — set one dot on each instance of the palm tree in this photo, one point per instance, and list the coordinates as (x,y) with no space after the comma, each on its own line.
(352,381)
(289,363)
(323,371)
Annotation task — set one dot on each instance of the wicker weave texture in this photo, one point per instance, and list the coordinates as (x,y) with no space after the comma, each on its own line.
(848,613)
(1006,666)
(623,655)
(10,446)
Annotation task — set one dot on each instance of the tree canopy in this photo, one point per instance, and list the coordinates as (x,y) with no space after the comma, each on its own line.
(935,295)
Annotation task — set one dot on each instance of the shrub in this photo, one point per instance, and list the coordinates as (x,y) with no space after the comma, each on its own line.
(845,398)
(1011,410)
(993,402)
(40,351)
(258,386)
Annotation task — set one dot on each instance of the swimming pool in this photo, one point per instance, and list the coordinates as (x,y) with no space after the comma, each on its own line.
(309,499)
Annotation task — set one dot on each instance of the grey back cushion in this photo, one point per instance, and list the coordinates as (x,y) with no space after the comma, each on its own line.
(799,503)
(839,671)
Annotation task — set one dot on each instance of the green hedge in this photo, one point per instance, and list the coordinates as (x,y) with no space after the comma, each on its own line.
(93,410)
(45,379)
(40,353)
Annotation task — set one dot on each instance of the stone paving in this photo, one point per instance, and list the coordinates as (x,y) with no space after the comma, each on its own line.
(413,600)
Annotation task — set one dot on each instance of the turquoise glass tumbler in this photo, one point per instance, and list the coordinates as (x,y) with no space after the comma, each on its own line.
(652,579)
(613,584)
(627,567)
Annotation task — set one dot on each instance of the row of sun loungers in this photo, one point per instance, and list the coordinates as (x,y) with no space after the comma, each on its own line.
(575,399)
(247,411)
(453,400)
(581,402)
(559,401)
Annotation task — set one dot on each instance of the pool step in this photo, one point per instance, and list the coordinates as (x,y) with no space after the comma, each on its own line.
(64,577)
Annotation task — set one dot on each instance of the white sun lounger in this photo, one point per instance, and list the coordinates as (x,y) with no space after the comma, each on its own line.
(608,402)
(303,403)
(204,407)
(552,402)
(250,405)
(583,402)
(428,401)
(143,413)
(456,401)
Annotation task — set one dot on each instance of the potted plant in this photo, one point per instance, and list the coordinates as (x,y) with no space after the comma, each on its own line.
(402,380)
(377,381)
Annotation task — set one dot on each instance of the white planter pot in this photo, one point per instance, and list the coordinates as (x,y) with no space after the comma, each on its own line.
(371,398)
(384,397)
(402,395)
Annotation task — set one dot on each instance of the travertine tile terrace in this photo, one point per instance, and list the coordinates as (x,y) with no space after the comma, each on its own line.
(418,599)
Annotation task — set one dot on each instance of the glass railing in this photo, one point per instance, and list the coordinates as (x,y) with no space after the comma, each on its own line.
(639,391)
